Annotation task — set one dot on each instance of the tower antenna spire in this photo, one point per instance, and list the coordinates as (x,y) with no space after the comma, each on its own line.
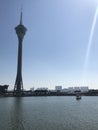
(21,16)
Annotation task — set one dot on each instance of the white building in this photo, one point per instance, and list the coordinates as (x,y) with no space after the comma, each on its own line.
(81,88)
(77,88)
(84,88)
(65,90)
(70,90)
(32,89)
(58,88)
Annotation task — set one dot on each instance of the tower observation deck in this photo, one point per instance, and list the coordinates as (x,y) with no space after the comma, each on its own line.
(20,31)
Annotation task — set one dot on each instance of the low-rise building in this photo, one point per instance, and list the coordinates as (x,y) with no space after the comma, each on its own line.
(58,88)
(32,89)
(84,88)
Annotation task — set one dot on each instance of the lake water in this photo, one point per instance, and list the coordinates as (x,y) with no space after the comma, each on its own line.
(49,113)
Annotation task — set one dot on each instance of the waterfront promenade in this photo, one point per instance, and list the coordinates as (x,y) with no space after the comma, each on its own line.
(47,93)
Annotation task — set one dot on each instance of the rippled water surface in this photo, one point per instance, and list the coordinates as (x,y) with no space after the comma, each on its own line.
(49,113)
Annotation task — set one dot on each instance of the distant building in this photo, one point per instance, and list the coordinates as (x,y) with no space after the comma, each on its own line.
(41,91)
(84,88)
(71,90)
(32,89)
(65,90)
(58,88)
(42,88)
(3,89)
(75,89)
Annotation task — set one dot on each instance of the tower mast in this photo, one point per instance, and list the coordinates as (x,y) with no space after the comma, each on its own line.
(20,31)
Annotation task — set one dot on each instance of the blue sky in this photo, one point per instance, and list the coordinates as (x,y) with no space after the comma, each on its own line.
(55,45)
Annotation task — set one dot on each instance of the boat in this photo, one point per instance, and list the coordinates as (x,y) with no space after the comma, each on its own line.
(78,97)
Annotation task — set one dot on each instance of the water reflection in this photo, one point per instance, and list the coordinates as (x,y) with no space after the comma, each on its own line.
(16,114)
(51,113)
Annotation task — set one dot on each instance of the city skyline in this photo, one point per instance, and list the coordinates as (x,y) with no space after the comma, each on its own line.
(55,46)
